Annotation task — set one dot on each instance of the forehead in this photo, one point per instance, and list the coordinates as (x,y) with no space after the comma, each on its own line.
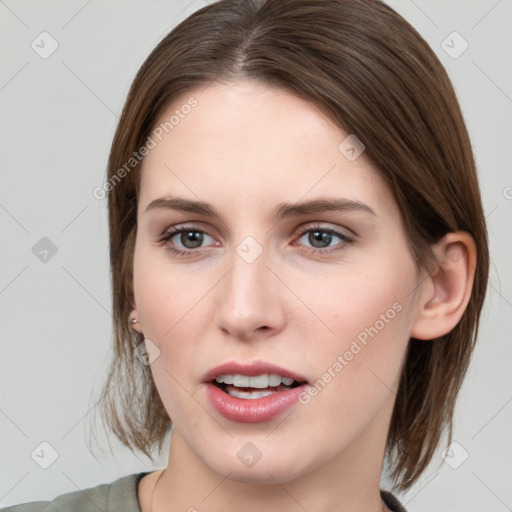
(247,141)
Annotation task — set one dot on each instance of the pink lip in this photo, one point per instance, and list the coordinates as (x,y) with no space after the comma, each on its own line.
(246,410)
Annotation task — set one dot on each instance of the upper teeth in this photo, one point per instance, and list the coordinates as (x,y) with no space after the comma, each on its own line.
(258,381)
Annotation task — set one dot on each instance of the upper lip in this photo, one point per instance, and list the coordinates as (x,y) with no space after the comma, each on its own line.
(250,369)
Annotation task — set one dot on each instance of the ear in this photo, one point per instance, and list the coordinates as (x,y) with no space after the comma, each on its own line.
(135,326)
(446,291)
(134,315)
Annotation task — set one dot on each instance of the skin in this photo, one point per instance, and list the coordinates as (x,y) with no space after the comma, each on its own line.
(246,148)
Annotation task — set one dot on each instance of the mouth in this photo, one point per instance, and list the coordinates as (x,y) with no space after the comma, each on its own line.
(252,387)
(252,392)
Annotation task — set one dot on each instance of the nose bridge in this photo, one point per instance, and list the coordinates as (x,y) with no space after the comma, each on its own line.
(248,298)
(250,271)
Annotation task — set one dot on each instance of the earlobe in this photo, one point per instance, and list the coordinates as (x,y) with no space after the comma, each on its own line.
(133,318)
(446,291)
(134,321)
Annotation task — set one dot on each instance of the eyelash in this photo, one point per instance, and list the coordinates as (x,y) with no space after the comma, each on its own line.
(190,252)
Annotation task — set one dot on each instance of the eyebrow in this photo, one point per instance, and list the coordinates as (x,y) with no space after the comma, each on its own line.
(282,210)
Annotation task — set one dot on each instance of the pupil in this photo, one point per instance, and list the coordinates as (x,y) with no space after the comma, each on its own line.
(320,236)
(193,237)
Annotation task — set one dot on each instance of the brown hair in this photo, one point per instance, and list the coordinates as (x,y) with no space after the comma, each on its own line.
(373,75)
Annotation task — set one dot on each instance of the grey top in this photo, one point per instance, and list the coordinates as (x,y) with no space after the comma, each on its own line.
(120,496)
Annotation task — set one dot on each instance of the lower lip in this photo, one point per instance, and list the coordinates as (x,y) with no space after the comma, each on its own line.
(257,410)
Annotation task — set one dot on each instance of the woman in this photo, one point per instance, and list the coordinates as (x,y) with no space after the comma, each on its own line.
(299,261)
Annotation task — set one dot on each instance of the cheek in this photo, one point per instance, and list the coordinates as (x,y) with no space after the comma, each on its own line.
(163,293)
(374,295)
(166,300)
(357,368)
(367,318)
(170,302)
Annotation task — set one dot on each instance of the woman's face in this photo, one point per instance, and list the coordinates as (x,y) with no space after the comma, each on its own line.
(266,275)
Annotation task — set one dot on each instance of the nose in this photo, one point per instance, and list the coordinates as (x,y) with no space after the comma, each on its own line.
(249,300)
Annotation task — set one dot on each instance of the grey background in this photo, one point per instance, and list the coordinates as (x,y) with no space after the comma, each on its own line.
(58,117)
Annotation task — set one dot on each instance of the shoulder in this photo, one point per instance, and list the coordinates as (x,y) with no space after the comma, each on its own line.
(118,495)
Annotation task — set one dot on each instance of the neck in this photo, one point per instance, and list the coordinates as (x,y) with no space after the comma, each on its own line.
(350,481)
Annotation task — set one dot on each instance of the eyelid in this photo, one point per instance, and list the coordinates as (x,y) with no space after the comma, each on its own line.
(175,230)
(189,226)
(339,232)
(346,239)
(346,232)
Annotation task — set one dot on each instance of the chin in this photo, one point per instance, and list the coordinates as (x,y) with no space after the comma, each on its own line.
(265,471)
(262,476)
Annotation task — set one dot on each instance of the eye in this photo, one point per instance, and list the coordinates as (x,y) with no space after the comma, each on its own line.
(321,238)
(189,239)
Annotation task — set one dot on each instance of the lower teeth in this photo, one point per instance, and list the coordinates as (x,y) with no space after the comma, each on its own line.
(250,395)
